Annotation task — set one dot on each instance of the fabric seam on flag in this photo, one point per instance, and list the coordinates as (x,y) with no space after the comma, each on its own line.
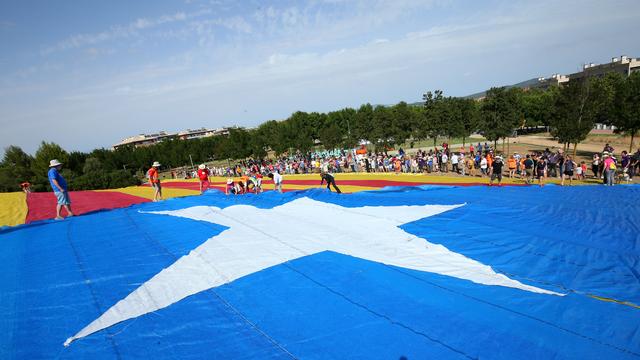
(91,290)
(389,319)
(224,301)
(518,313)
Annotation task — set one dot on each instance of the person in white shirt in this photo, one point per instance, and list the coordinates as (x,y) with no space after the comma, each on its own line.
(483,166)
(454,163)
(444,159)
(277,181)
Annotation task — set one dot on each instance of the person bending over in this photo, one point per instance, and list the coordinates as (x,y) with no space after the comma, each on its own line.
(277,181)
(330,181)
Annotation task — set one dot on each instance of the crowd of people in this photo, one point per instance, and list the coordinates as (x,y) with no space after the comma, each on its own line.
(480,160)
(473,160)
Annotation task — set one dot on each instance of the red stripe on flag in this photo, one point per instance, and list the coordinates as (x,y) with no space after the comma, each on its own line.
(43,205)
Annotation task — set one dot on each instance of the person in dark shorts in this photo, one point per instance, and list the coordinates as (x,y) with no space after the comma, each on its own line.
(496,166)
(541,170)
(528,168)
(569,168)
(330,181)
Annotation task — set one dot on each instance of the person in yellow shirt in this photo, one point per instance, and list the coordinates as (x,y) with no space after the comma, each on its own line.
(471,166)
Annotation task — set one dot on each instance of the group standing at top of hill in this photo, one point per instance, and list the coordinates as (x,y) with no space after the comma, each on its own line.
(472,160)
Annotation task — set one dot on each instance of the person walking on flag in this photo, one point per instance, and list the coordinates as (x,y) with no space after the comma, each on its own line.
(203,176)
(154,181)
(330,179)
(496,168)
(59,186)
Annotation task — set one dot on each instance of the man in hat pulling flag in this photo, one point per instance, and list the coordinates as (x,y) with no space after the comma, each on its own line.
(59,186)
(203,176)
(154,181)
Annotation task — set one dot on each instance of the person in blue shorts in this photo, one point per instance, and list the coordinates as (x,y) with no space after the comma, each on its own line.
(59,186)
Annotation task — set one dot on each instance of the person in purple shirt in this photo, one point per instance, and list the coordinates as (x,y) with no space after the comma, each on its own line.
(626,160)
(59,186)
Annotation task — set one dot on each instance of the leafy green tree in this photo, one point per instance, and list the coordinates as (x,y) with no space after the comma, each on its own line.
(626,107)
(14,169)
(537,106)
(382,122)
(403,122)
(433,123)
(501,113)
(268,131)
(465,118)
(298,132)
(450,117)
(40,164)
(330,135)
(364,127)
(75,161)
(577,107)
(417,114)
(238,144)
(15,156)
(92,166)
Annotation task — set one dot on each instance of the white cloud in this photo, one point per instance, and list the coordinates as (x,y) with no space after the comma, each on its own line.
(380,41)
(120,31)
(491,32)
(312,58)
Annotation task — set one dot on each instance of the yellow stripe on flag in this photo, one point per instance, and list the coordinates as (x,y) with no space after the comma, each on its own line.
(147,192)
(14,208)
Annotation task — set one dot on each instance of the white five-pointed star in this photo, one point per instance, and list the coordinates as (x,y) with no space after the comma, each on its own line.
(262,238)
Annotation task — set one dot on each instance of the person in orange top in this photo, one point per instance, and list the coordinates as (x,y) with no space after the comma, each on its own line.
(203,176)
(511,163)
(490,163)
(154,181)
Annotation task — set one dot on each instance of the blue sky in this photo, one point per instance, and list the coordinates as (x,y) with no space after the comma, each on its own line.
(86,74)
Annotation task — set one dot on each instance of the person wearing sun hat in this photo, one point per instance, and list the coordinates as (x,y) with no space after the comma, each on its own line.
(203,176)
(59,186)
(496,172)
(154,181)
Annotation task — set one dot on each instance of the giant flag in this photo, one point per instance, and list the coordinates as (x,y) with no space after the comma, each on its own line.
(404,272)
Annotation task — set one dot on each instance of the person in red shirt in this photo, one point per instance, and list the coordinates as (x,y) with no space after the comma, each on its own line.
(203,176)
(258,182)
(154,181)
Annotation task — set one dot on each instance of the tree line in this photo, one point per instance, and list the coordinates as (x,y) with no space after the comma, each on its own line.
(570,111)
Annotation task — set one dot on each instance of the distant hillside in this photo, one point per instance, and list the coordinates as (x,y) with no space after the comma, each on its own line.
(479,95)
(523,84)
